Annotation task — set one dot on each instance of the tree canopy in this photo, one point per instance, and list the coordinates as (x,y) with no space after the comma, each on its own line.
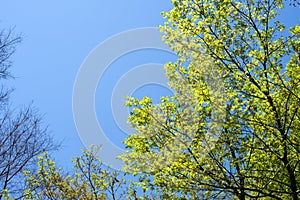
(231,130)
(90,179)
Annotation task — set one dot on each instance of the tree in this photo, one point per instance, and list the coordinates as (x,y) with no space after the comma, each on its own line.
(90,179)
(232,128)
(22,136)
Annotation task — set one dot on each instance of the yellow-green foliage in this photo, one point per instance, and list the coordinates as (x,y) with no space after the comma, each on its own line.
(232,128)
(91,180)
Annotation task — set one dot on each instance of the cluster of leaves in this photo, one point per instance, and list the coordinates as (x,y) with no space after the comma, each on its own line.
(252,134)
(90,180)
(172,135)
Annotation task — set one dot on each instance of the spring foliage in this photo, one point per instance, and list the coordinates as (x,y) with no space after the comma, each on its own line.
(231,129)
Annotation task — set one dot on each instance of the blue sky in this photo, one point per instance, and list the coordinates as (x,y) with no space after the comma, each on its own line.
(58,36)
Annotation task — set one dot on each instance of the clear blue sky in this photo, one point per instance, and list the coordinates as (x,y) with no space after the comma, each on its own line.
(57,37)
